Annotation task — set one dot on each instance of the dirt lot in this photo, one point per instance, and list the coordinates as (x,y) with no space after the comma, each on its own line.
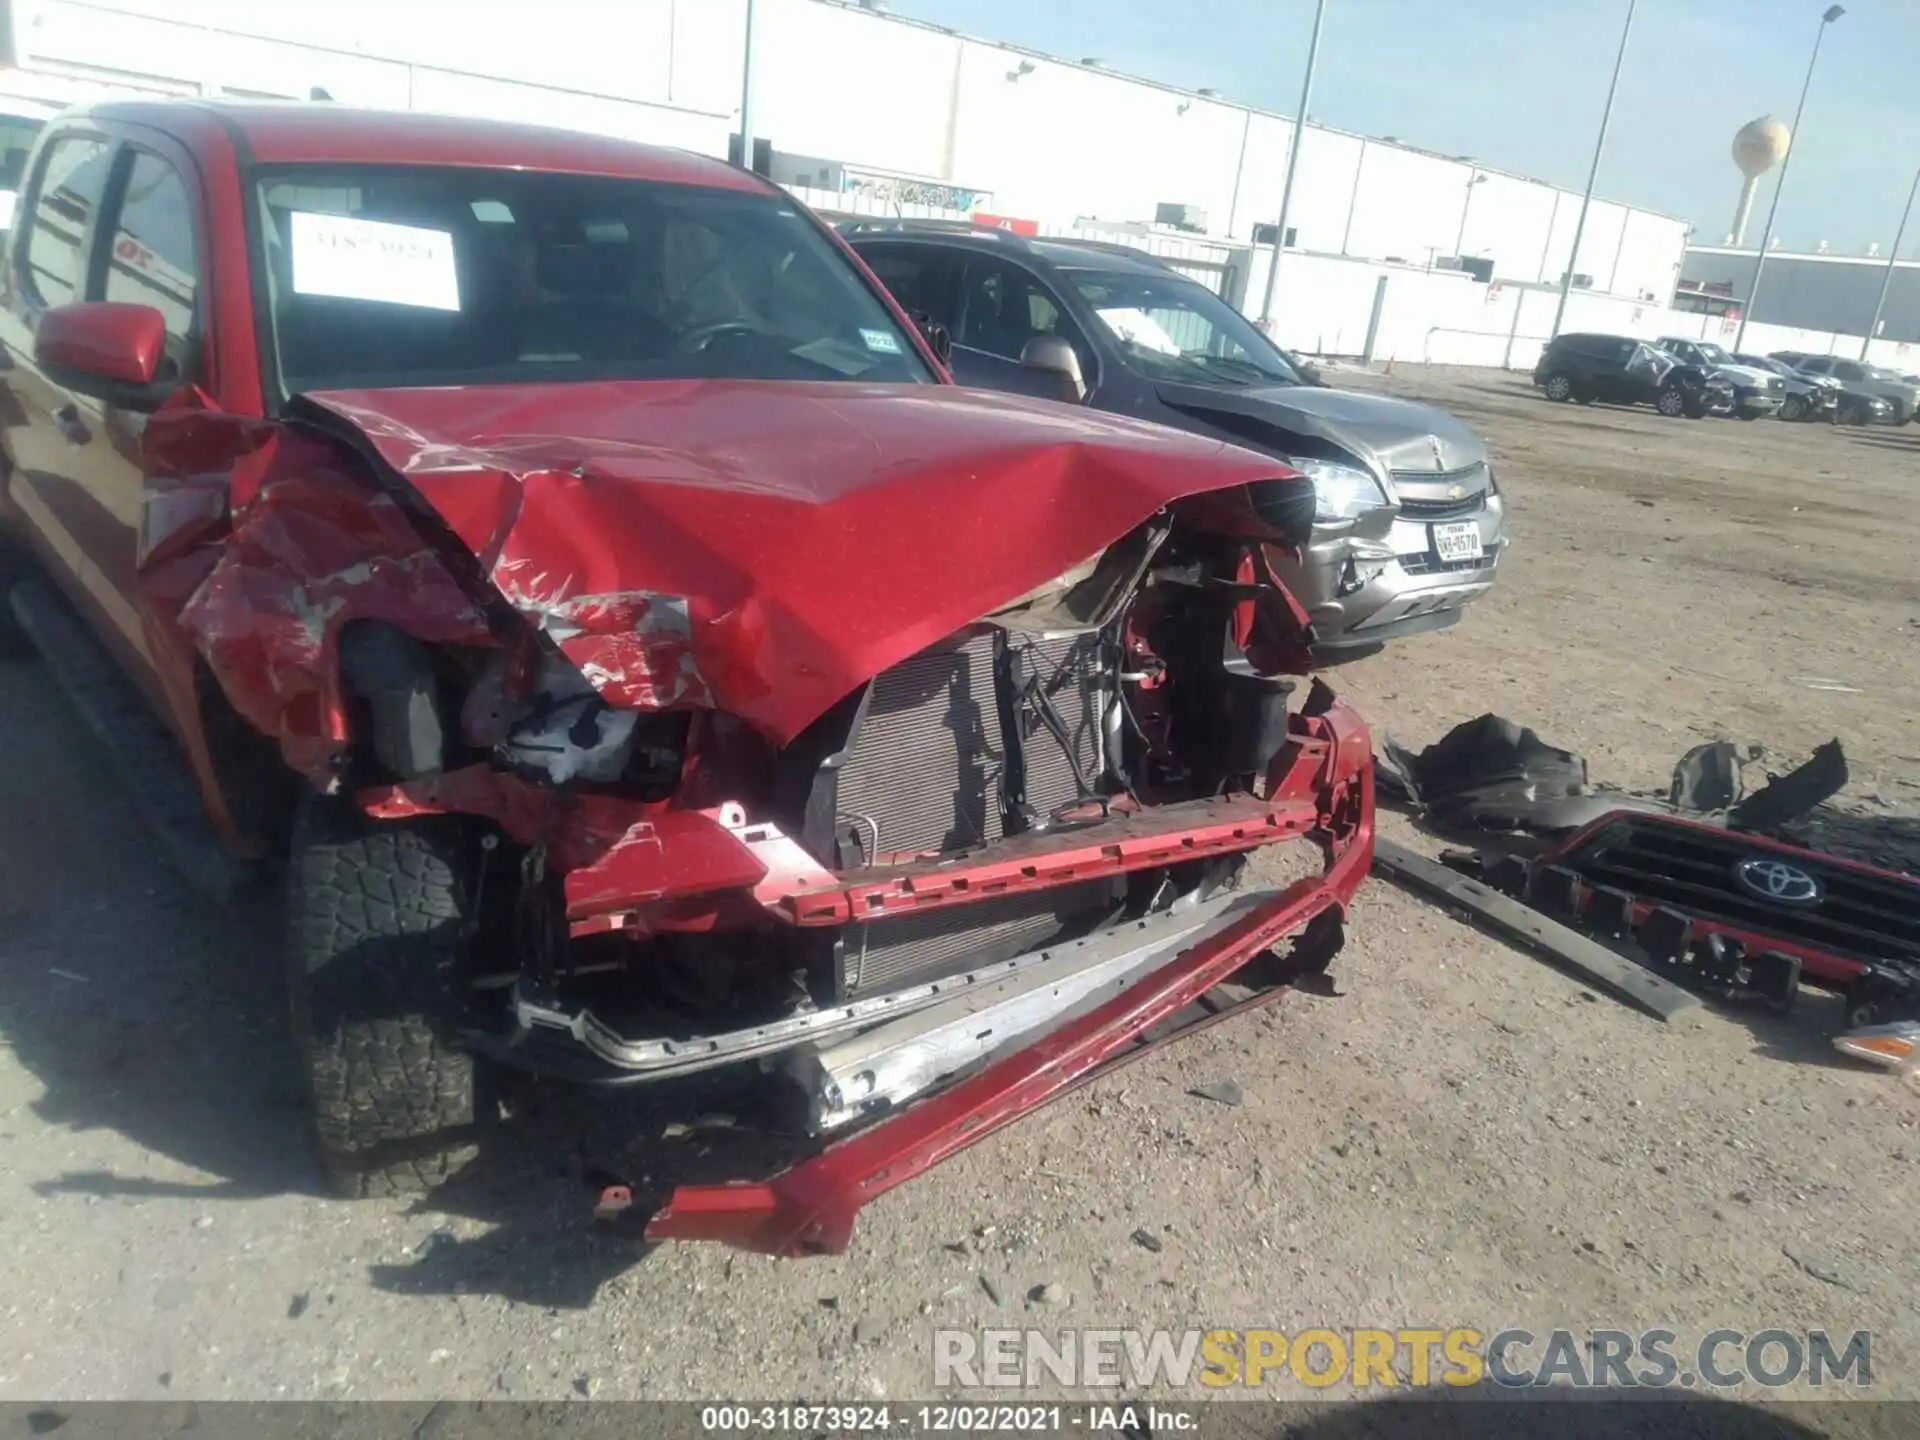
(1462,1136)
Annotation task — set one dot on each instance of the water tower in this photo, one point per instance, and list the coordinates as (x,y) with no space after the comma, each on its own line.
(1760,145)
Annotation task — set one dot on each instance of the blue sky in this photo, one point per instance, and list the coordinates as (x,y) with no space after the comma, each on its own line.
(1520,84)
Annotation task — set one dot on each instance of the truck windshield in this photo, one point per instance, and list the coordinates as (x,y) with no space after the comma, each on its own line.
(1169,328)
(395,276)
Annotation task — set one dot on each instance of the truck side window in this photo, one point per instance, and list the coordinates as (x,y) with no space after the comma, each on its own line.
(152,259)
(73,177)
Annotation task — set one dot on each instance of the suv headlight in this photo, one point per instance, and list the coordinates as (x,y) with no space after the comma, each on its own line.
(1340,492)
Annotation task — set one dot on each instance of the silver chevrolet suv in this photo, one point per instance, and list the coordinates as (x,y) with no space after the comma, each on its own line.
(1408,524)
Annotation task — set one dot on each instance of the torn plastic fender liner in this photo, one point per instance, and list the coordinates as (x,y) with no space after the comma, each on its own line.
(810,1208)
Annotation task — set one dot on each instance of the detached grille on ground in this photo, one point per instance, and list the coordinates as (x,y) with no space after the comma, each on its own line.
(1857,914)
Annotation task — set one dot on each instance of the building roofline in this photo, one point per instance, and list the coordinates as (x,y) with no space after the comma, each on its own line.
(1229,104)
(1877,262)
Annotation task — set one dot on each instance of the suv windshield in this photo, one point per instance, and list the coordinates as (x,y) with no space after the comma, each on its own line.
(1713,354)
(387,276)
(1169,328)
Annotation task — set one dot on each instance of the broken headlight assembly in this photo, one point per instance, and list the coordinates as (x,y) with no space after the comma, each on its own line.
(553,727)
(1340,491)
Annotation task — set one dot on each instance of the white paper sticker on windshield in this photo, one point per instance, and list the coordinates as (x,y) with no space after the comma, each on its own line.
(373,260)
(880,342)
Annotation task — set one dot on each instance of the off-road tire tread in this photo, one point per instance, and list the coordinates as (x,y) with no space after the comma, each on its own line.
(376,915)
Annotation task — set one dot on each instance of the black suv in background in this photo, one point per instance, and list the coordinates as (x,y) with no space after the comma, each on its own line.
(1620,370)
(1860,378)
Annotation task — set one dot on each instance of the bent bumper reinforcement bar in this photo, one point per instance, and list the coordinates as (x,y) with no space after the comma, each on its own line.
(810,1208)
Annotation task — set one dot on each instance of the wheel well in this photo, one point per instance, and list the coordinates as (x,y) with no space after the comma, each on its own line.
(261,793)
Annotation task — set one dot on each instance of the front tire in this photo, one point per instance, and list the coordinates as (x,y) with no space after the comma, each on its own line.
(1671,403)
(1793,408)
(1558,387)
(379,933)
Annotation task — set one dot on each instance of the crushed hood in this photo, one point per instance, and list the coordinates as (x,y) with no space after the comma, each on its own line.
(1388,433)
(765,548)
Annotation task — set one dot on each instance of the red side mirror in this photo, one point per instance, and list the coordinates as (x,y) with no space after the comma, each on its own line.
(102,340)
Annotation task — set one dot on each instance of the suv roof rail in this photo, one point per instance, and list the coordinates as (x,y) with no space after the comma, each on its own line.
(1114,247)
(902,225)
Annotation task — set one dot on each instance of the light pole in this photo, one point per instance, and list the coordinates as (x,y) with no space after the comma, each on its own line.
(1827,17)
(746,93)
(1466,208)
(1293,159)
(1593,174)
(1893,257)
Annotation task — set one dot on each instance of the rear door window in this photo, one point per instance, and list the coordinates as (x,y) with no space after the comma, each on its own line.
(923,278)
(1003,307)
(73,178)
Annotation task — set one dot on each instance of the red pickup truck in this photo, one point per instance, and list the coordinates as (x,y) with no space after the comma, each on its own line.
(563,561)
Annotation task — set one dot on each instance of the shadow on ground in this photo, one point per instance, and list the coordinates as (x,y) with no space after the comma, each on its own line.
(144,1018)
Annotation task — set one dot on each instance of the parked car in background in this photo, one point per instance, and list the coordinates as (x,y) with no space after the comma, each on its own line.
(1901,394)
(567,561)
(1619,370)
(1809,397)
(1757,393)
(1408,520)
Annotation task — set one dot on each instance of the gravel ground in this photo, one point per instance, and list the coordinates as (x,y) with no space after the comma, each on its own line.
(1460,1136)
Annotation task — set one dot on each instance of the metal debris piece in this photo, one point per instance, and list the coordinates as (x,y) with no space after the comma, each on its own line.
(1512,920)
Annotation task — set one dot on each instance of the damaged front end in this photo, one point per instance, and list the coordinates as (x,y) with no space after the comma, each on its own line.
(923,808)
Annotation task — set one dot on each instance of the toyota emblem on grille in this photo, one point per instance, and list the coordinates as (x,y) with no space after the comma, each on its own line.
(1778,881)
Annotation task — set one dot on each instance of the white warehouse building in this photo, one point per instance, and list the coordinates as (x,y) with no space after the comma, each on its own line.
(870,112)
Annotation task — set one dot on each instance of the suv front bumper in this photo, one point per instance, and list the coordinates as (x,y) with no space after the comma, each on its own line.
(1361,592)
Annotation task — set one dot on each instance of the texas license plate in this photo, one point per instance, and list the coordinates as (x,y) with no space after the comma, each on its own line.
(1456,542)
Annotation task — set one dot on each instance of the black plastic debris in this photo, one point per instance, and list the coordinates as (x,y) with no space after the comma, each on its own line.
(1491,774)
(1788,797)
(1485,774)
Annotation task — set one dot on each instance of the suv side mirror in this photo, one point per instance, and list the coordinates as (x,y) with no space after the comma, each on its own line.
(107,349)
(1055,357)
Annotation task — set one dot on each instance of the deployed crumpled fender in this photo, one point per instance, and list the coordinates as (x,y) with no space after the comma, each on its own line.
(258,544)
(764,548)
